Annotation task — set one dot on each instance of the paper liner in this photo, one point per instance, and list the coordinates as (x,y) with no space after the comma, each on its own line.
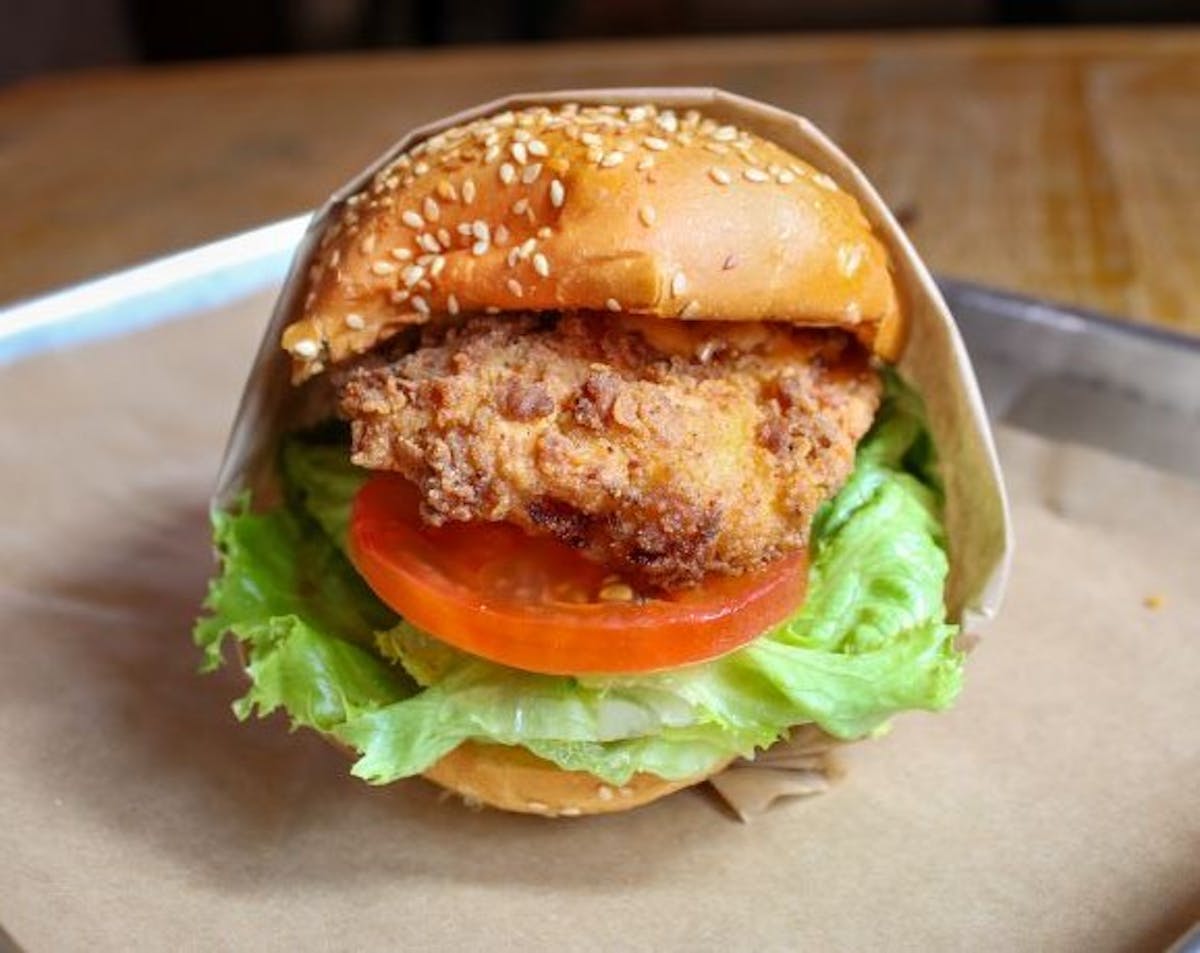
(935,362)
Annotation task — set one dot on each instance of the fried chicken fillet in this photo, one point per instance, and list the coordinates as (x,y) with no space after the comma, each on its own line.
(663,450)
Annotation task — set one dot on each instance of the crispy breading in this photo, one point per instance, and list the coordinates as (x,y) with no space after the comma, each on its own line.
(663,449)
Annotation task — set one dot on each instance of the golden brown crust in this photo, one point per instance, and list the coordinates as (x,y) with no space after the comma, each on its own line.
(595,208)
(512,779)
(633,450)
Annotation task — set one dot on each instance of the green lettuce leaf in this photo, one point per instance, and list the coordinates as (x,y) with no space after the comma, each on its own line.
(870,640)
(304,618)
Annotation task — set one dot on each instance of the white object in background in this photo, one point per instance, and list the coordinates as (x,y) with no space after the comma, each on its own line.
(172,287)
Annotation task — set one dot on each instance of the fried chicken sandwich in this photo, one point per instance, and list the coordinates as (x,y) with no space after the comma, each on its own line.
(615,483)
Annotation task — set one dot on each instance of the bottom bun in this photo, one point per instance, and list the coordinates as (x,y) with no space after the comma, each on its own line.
(513,779)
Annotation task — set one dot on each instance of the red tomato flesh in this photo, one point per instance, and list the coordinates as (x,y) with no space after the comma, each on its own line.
(535,604)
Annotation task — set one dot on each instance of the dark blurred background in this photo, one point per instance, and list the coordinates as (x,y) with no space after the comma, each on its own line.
(39,36)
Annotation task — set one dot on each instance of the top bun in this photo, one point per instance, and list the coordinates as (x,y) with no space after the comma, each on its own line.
(594,208)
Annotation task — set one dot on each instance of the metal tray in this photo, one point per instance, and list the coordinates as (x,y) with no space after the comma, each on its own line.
(1062,372)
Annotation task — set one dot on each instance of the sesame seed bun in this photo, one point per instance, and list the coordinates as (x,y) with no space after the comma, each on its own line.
(594,208)
(512,779)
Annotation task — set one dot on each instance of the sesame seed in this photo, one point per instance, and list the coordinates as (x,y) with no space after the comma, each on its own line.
(545,231)
(399,296)
(383,268)
(604,792)
(421,168)
(725,134)
(429,243)
(557,193)
(401,254)
(678,284)
(468,191)
(612,159)
(491,155)
(531,173)
(692,307)
(825,182)
(667,121)
(508,174)
(655,144)
(537,806)
(513,256)
(716,148)
(647,214)
(367,246)
(570,811)
(412,219)
(612,304)
(719,175)
(850,258)
(420,304)
(443,237)
(538,148)
(541,265)
(636,113)
(519,152)
(522,135)
(853,312)
(756,175)
(355,322)
(306,348)
(501,235)
(431,209)
(447,191)
(784,177)
(591,139)
(527,247)
(514,288)
(480,248)
(452,304)
(412,274)
(646,163)
(520,206)
(480,229)
(463,228)
(436,266)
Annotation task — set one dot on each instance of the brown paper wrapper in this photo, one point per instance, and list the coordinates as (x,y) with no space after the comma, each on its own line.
(935,362)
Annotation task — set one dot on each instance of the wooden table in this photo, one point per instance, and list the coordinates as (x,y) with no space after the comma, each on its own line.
(1063,164)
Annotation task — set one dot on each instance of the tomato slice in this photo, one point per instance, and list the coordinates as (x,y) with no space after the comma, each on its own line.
(536,604)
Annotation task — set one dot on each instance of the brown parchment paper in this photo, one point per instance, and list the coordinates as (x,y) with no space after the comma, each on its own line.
(1054,808)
